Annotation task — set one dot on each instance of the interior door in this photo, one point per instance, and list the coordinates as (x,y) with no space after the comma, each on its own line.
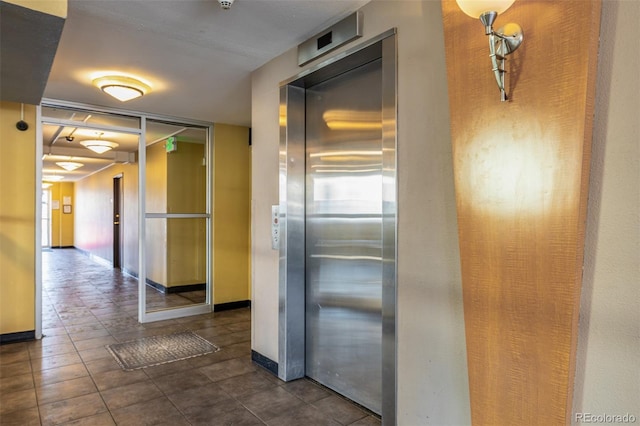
(344,184)
(117,221)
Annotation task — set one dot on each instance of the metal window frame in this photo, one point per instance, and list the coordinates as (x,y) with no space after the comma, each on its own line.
(144,316)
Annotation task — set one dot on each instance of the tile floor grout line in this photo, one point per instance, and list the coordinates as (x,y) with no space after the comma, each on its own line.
(84,363)
(82,295)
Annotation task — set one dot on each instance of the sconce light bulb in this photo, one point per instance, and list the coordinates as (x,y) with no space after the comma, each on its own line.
(475,8)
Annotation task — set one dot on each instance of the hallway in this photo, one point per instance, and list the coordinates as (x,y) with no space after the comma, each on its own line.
(69,377)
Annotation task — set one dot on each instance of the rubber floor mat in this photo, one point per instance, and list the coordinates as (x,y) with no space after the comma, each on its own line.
(156,350)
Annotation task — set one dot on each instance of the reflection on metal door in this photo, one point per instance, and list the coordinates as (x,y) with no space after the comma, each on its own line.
(344,234)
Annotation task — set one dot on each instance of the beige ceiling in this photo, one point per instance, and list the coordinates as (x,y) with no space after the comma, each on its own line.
(197,56)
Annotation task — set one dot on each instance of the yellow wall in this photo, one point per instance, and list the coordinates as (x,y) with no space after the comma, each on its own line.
(187,179)
(156,202)
(156,179)
(17,218)
(232,210)
(62,223)
(176,183)
(186,193)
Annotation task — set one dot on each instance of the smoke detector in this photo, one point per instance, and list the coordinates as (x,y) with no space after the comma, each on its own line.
(225,4)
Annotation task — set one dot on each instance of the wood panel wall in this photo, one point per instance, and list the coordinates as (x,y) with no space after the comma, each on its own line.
(521,176)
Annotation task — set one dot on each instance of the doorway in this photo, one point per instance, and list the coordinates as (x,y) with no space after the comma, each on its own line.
(338,213)
(118,221)
(89,150)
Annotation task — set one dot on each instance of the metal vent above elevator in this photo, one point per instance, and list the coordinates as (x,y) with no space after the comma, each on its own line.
(350,28)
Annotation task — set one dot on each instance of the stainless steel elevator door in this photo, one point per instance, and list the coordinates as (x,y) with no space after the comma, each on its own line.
(344,234)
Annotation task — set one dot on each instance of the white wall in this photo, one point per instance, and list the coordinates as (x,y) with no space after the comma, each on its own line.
(608,360)
(432,370)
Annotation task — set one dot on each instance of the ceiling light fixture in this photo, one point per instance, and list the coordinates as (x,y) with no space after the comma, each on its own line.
(98,145)
(69,165)
(501,42)
(123,88)
(52,178)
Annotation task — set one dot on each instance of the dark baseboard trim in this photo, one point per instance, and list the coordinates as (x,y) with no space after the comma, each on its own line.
(231,305)
(176,288)
(21,336)
(157,286)
(187,287)
(264,362)
(62,247)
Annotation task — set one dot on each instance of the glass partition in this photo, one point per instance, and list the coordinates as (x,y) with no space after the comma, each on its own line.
(144,203)
(176,270)
(177,219)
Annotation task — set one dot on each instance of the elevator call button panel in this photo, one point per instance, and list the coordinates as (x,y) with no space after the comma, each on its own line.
(275,227)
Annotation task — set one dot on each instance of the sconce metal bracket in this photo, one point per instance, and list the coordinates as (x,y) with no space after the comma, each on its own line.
(501,43)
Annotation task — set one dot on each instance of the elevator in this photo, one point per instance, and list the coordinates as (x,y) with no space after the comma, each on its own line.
(338,213)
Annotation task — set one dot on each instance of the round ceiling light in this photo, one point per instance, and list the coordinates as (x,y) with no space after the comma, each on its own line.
(121,87)
(69,165)
(98,145)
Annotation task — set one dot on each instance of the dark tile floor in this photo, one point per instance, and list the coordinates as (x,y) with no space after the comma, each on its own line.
(69,377)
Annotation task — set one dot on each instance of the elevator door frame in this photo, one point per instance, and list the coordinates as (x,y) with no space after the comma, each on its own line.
(291,342)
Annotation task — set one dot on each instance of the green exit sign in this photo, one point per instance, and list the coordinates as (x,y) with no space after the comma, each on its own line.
(171,144)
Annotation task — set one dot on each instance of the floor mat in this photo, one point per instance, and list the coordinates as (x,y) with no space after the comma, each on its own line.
(156,350)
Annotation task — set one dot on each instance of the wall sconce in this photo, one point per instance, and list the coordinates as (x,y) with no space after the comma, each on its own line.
(501,42)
